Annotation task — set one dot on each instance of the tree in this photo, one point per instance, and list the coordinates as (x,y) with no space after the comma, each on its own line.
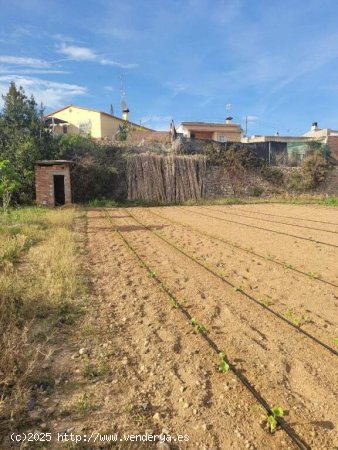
(23,137)
(9,183)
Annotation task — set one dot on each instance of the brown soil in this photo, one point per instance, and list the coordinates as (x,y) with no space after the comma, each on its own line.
(155,374)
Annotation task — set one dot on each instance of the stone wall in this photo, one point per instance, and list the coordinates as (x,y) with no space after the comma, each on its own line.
(218,183)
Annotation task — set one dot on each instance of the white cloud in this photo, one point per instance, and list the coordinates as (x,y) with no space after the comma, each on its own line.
(52,94)
(251,119)
(157,122)
(77,53)
(28,71)
(24,61)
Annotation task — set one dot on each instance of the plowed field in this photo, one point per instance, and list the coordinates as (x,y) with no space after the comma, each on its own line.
(261,281)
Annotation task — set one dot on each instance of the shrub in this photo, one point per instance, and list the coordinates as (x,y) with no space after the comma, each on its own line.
(272,174)
(256,191)
(314,169)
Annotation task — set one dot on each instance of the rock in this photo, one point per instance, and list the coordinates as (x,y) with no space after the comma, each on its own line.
(50,411)
(162,446)
(182,388)
(125,361)
(145,406)
(83,351)
(31,404)
(186,405)
(157,416)
(43,426)
(34,415)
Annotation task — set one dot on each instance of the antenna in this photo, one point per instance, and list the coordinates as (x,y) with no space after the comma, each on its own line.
(123,103)
(111,109)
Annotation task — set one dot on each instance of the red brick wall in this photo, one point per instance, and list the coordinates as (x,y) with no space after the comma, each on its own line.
(44,183)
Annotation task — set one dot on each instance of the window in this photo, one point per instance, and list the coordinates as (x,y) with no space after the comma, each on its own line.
(221,138)
(64,129)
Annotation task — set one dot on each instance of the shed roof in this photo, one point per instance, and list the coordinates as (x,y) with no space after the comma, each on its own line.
(53,162)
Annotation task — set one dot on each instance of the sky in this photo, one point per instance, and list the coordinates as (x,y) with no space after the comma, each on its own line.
(271,63)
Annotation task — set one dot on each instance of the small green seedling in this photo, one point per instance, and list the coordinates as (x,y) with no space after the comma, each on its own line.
(335,340)
(312,275)
(223,366)
(172,302)
(297,321)
(271,420)
(266,302)
(239,288)
(271,416)
(287,266)
(198,327)
(151,274)
(288,313)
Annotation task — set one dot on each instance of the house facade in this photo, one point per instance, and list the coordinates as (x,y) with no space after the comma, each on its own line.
(88,122)
(221,132)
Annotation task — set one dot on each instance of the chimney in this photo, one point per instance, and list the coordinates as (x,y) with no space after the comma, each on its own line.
(314,126)
(125,113)
(228,120)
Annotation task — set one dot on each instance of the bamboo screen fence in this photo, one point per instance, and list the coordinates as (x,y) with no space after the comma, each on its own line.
(166,178)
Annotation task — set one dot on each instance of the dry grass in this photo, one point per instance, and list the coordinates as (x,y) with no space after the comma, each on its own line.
(39,287)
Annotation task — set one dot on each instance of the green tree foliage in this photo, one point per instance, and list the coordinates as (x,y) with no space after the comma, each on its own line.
(23,137)
(9,183)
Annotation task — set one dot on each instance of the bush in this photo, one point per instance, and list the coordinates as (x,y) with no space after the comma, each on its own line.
(314,169)
(295,182)
(272,174)
(255,191)
(98,170)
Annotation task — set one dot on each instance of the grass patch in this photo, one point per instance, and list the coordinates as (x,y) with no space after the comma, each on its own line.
(42,290)
(305,199)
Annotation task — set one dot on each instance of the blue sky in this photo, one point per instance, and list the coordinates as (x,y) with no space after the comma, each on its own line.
(273,61)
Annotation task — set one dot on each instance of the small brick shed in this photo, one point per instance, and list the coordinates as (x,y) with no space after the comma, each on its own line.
(52,182)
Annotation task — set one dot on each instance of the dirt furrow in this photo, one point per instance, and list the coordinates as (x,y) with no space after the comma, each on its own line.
(311,213)
(306,256)
(285,292)
(311,222)
(320,238)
